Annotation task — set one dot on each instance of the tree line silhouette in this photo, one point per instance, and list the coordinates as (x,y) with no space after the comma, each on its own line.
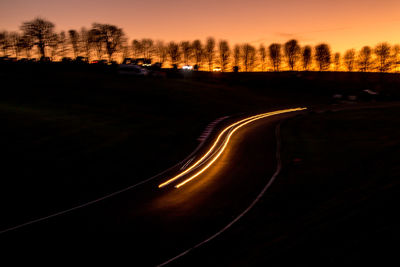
(109,41)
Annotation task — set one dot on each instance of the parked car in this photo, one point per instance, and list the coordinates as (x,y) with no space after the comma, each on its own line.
(187,67)
(23,60)
(128,61)
(156,66)
(217,69)
(101,62)
(66,60)
(45,59)
(81,59)
(127,69)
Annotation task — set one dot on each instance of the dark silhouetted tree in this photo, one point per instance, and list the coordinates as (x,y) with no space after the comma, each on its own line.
(349,59)
(4,42)
(336,61)
(365,58)
(187,50)
(96,42)
(236,56)
(111,36)
(174,54)
(262,52)
(224,54)
(54,44)
(41,31)
(396,57)
(275,56)
(209,52)
(323,56)
(306,57)
(26,44)
(248,56)
(198,53)
(137,48)
(74,39)
(161,52)
(292,53)
(62,43)
(382,52)
(14,39)
(125,49)
(147,48)
(85,45)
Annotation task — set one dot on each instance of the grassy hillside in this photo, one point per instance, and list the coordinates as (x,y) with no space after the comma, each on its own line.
(71,133)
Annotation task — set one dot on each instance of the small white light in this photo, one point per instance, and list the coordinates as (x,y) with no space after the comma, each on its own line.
(187,67)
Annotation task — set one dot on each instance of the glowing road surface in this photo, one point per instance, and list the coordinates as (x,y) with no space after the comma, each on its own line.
(218,147)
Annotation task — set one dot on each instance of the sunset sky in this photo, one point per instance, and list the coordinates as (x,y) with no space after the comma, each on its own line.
(343,24)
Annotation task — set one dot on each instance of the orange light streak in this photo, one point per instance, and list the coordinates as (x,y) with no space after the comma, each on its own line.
(208,152)
(240,124)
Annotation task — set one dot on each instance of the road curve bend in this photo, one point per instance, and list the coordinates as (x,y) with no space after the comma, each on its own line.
(198,203)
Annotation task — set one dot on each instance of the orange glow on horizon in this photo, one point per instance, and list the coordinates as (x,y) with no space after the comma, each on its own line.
(342,24)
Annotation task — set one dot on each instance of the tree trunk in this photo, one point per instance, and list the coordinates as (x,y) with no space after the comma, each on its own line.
(42,50)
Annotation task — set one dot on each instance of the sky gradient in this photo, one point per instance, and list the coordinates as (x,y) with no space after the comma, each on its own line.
(343,24)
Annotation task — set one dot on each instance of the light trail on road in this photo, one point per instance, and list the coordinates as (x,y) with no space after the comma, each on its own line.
(231,129)
(207,154)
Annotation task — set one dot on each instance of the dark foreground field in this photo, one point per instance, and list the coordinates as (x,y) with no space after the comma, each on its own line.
(69,135)
(72,134)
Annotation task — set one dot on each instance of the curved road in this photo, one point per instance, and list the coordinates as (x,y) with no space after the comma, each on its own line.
(157,220)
